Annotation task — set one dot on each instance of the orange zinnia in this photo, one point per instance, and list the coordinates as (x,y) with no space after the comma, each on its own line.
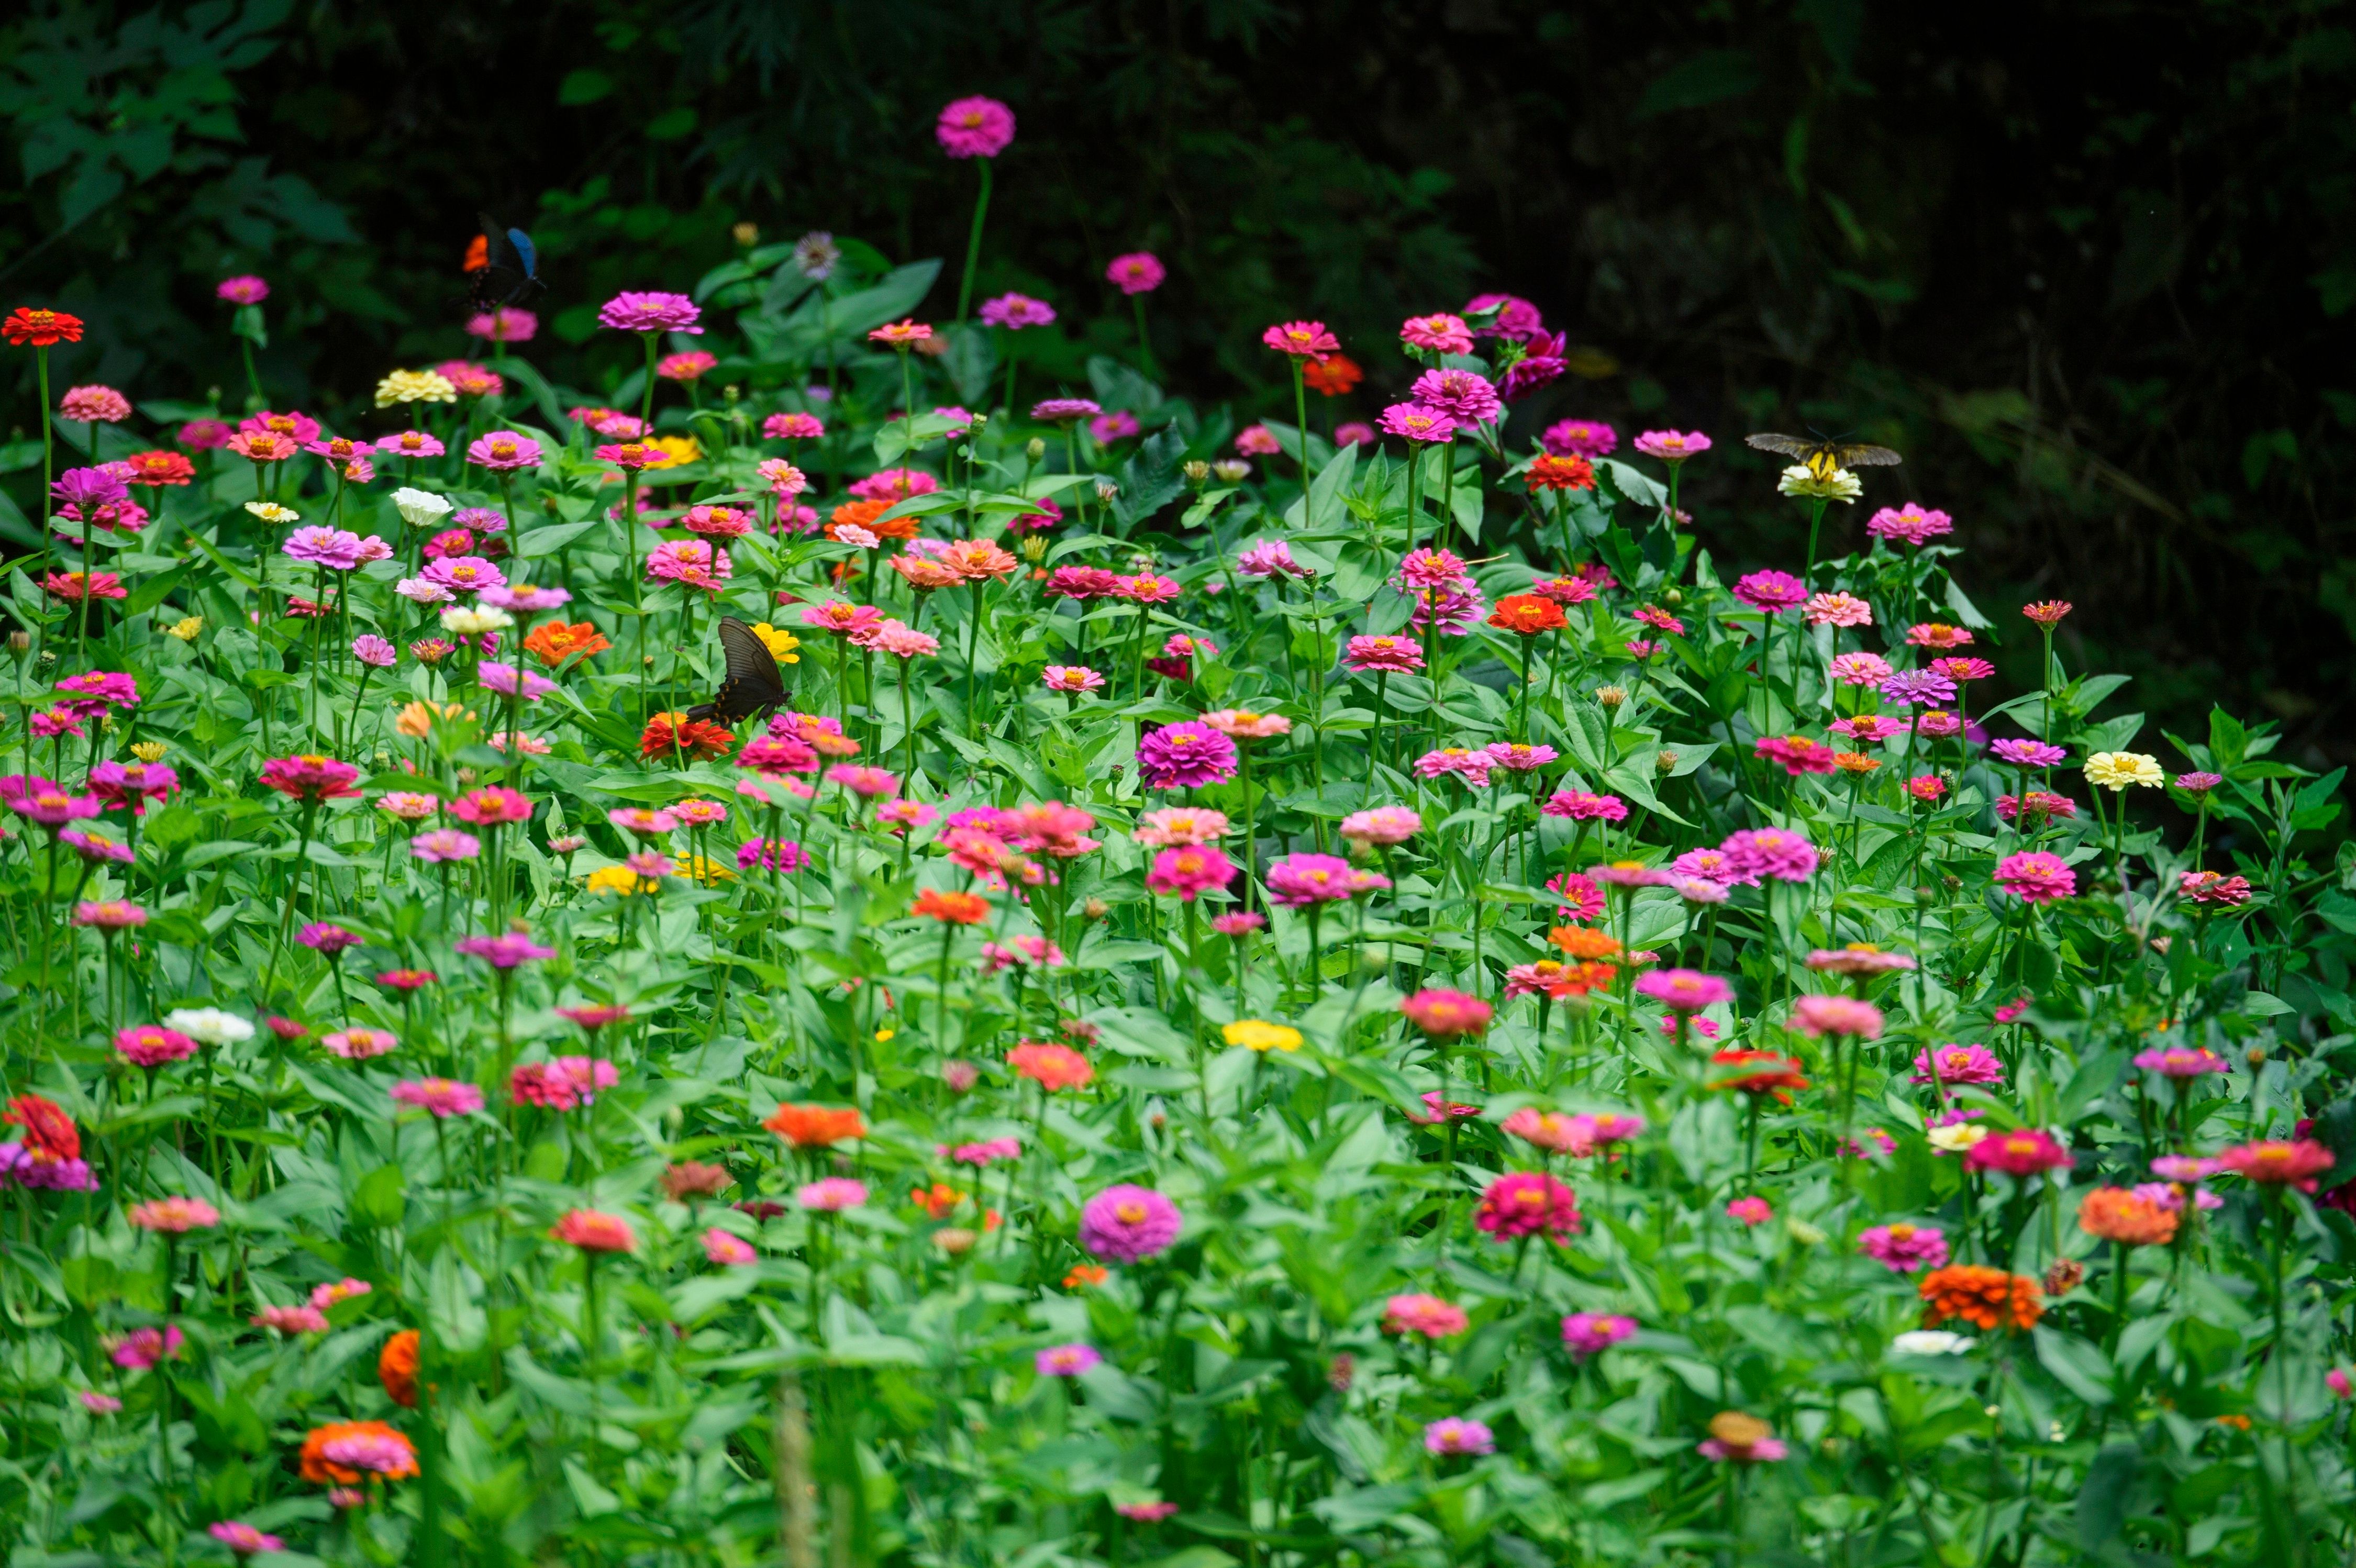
(555,640)
(2117,1214)
(1335,376)
(1552,473)
(1581,942)
(816,1127)
(1989,1297)
(1759,1072)
(938,1201)
(953,909)
(667,734)
(1085,1274)
(396,1368)
(320,1470)
(864,514)
(1051,1066)
(1527,614)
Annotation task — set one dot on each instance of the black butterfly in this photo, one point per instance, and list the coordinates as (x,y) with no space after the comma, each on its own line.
(507,271)
(1822,456)
(752,689)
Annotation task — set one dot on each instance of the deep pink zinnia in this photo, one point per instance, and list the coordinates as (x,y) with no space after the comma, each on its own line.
(1528,1203)
(2024,1153)
(976,127)
(1187,756)
(1683,990)
(1186,870)
(1771,592)
(2037,877)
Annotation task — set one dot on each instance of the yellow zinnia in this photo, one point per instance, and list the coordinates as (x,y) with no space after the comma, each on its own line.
(187,628)
(703,869)
(781,643)
(618,879)
(1256,1035)
(2115,771)
(675,450)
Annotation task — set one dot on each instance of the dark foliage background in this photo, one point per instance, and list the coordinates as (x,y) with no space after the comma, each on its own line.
(2089,266)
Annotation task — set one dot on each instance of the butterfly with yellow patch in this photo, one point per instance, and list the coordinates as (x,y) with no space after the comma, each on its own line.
(752,688)
(1822,457)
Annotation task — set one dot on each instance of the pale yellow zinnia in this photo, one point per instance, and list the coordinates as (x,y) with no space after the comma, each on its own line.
(2115,771)
(414,386)
(1839,486)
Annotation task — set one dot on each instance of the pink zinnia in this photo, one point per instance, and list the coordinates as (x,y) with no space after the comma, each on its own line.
(1302,340)
(1840,1017)
(1186,870)
(1384,825)
(1779,852)
(439,1097)
(2024,1153)
(1392,655)
(1304,881)
(1672,446)
(831,1195)
(1139,272)
(1414,421)
(1528,1203)
(1580,438)
(1425,1315)
(650,311)
(1771,592)
(1186,755)
(1958,1064)
(2037,877)
(1585,806)
(2277,1163)
(1909,524)
(1446,1014)
(1438,334)
(729,1251)
(1683,990)
(1127,1223)
(1751,1210)
(974,128)
(150,1045)
(1586,1334)
(1903,1249)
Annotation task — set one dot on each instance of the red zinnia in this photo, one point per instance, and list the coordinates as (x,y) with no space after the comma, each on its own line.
(669,733)
(39,327)
(1759,1072)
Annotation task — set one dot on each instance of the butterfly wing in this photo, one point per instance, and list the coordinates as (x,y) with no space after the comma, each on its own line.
(1789,446)
(512,266)
(1866,456)
(753,685)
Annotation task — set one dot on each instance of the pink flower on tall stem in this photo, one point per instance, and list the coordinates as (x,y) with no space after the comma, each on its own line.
(1186,870)
(2037,877)
(974,128)
(1139,272)
(1129,1223)
(1528,1203)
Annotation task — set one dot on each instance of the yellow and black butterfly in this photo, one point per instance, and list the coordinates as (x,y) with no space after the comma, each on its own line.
(752,688)
(1822,456)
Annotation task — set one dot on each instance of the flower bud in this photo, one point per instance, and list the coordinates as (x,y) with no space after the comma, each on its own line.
(1105,491)
(19,644)
(746,234)
(2064,1276)
(1611,696)
(1231,470)
(1035,450)
(960,1076)
(1197,472)
(1666,763)
(1096,910)
(1674,597)
(955,1240)
(2257,1057)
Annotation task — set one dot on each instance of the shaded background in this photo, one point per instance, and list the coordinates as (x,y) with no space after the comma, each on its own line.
(2088,265)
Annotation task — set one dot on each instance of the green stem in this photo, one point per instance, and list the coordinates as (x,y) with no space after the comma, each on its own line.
(973,241)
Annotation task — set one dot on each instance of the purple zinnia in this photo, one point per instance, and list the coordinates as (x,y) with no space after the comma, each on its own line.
(634,311)
(1127,1223)
(1064,408)
(974,128)
(91,488)
(1921,686)
(1185,756)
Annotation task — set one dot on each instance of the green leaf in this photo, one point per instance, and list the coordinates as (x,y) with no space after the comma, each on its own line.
(382,1198)
(583,87)
(1711,77)
(2103,1499)
(2078,1364)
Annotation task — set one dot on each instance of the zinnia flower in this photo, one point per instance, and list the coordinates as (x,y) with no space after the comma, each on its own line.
(1528,1203)
(1990,1298)
(1129,1223)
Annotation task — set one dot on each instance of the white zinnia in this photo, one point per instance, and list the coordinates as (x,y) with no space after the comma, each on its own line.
(419,509)
(1931,1342)
(209,1025)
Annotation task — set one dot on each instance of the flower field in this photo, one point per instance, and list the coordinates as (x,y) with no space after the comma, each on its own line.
(835,950)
